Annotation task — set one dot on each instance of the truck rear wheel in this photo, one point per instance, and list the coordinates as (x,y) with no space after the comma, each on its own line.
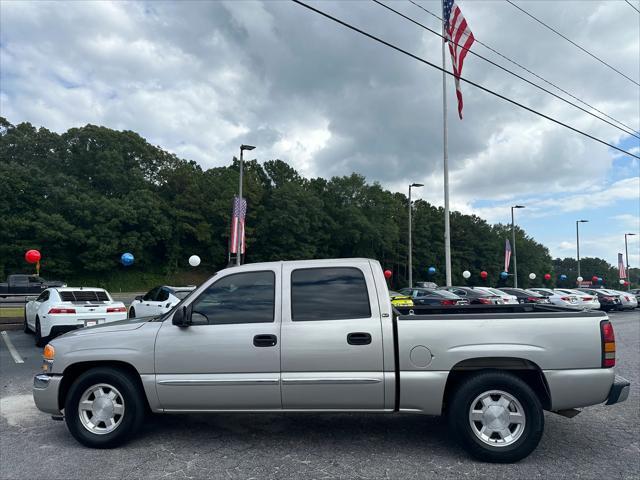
(496,417)
(104,408)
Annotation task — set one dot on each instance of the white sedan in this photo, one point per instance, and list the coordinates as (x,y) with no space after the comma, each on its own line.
(628,301)
(158,301)
(59,310)
(560,299)
(507,298)
(585,300)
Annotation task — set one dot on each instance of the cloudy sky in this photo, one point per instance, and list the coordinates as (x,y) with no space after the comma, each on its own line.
(199,78)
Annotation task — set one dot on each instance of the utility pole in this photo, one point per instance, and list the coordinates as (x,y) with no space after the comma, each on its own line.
(513,247)
(410,244)
(578,242)
(626,253)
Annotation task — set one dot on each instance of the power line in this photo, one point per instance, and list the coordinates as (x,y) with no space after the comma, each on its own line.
(485,89)
(573,43)
(635,131)
(632,133)
(632,6)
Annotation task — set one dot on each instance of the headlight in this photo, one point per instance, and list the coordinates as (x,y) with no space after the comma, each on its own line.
(48,355)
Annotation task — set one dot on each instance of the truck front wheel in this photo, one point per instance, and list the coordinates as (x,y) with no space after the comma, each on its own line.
(496,417)
(104,408)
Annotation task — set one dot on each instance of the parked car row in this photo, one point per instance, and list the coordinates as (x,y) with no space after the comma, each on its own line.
(580,299)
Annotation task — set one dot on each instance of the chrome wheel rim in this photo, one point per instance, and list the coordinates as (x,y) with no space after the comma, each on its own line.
(497,418)
(101,408)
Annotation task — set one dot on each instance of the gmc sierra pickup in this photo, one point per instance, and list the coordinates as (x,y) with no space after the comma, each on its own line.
(322,336)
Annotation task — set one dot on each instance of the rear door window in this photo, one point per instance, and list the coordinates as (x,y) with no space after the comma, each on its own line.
(329,293)
(163,295)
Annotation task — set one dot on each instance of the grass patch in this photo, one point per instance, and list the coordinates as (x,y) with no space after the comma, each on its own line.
(137,281)
(11,312)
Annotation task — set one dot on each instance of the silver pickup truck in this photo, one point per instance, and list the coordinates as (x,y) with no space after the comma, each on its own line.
(322,336)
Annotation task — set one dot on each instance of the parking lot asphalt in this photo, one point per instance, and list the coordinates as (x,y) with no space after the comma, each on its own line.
(602,442)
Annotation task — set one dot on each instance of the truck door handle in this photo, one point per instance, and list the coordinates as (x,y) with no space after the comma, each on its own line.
(359,338)
(265,341)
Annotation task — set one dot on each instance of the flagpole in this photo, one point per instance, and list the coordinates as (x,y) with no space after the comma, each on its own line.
(445,153)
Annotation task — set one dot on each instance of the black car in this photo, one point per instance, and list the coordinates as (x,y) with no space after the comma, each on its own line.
(430,296)
(607,301)
(475,297)
(526,296)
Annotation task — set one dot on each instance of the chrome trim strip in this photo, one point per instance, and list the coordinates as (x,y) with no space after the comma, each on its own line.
(329,381)
(209,383)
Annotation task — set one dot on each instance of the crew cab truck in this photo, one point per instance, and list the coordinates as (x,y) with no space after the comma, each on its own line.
(21,284)
(322,336)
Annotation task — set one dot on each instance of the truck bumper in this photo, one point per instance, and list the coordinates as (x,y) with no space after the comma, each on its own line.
(619,390)
(45,393)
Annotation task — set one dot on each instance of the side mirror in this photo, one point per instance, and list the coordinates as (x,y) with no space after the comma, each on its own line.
(180,318)
(139,298)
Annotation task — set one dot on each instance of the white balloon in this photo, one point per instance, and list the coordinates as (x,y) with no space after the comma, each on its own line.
(532,276)
(621,282)
(194,260)
(466,274)
(580,279)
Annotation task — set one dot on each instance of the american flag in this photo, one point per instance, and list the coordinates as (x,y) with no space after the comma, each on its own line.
(507,255)
(237,218)
(460,38)
(621,270)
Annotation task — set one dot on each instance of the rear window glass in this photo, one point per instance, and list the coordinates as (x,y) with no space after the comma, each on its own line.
(181,293)
(533,294)
(84,296)
(442,293)
(333,293)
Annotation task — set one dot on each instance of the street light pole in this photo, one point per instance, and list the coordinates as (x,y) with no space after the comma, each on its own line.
(410,244)
(626,253)
(513,247)
(578,243)
(238,240)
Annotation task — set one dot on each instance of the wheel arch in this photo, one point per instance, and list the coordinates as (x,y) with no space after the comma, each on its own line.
(526,370)
(73,371)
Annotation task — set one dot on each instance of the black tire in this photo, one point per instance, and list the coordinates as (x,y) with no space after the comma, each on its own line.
(131,420)
(40,340)
(132,312)
(25,326)
(460,423)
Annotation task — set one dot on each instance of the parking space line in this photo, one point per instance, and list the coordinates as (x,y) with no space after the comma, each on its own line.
(12,350)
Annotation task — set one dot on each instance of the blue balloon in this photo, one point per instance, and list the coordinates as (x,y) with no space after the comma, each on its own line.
(503,275)
(563,277)
(126,259)
(431,270)
(600,280)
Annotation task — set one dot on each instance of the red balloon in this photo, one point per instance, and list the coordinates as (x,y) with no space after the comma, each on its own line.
(32,256)
(484,274)
(626,284)
(387,274)
(547,276)
(594,279)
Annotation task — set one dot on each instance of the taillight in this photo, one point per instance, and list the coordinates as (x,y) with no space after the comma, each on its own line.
(608,344)
(609,299)
(116,309)
(448,302)
(534,299)
(626,298)
(485,301)
(566,299)
(62,310)
(587,299)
